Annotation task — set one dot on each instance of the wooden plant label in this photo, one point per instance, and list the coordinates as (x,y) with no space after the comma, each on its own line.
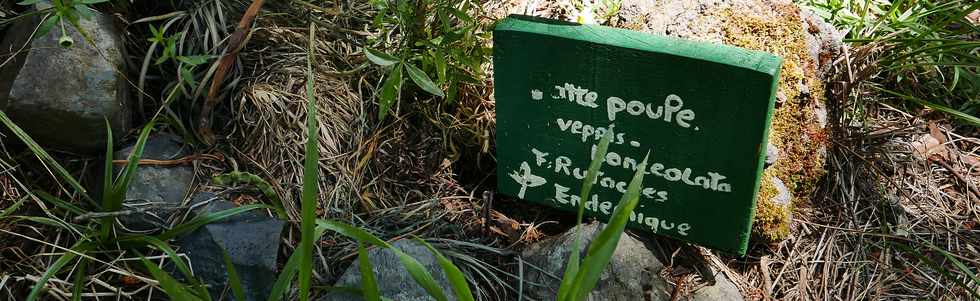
(701,110)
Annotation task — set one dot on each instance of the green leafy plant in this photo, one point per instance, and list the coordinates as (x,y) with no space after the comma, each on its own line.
(435,37)
(62,10)
(581,277)
(927,51)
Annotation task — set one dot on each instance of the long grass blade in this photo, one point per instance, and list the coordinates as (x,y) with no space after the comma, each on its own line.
(286,277)
(973,120)
(45,158)
(113,199)
(602,247)
(456,277)
(82,246)
(310,171)
(233,280)
(420,274)
(572,267)
(79,283)
(369,286)
(202,220)
(173,288)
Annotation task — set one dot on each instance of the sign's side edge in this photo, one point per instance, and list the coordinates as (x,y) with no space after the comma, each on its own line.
(760,168)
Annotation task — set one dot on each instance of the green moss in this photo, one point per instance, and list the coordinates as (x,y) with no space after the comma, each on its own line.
(795,130)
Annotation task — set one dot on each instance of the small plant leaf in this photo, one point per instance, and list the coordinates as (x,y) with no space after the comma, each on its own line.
(380,58)
(194,60)
(390,91)
(48,24)
(369,287)
(423,81)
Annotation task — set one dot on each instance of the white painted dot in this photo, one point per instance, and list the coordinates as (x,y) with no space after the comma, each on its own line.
(697,128)
(635,144)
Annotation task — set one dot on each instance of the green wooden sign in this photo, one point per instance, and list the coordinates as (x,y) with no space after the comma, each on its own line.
(702,111)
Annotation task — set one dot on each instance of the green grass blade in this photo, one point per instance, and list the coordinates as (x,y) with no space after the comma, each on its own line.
(310,171)
(285,277)
(202,220)
(414,268)
(369,286)
(456,277)
(13,208)
(113,199)
(57,202)
(107,166)
(573,260)
(938,268)
(80,247)
(390,91)
(602,247)
(420,274)
(174,289)
(973,120)
(144,240)
(45,158)
(79,283)
(956,262)
(289,270)
(233,280)
(352,232)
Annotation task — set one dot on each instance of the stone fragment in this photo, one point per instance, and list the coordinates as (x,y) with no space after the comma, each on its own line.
(61,96)
(157,190)
(772,154)
(632,273)
(723,289)
(394,282)
(251,240)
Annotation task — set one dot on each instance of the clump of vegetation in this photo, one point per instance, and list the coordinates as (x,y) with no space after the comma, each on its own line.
(923,52)
(796,130)
(436,37)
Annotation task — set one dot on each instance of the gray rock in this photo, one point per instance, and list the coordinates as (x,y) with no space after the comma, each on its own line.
(824,42)
(159,190)
(784,198)
(62,96)
(723,289)
(772,154)
(394,282)
(251,240)
(632,273)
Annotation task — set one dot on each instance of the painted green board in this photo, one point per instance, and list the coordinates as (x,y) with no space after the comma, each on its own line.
(701,110)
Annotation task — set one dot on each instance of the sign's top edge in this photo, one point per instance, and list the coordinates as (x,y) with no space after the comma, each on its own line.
(759,61)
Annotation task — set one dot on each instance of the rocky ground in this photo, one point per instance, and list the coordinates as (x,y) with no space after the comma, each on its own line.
(851,184)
